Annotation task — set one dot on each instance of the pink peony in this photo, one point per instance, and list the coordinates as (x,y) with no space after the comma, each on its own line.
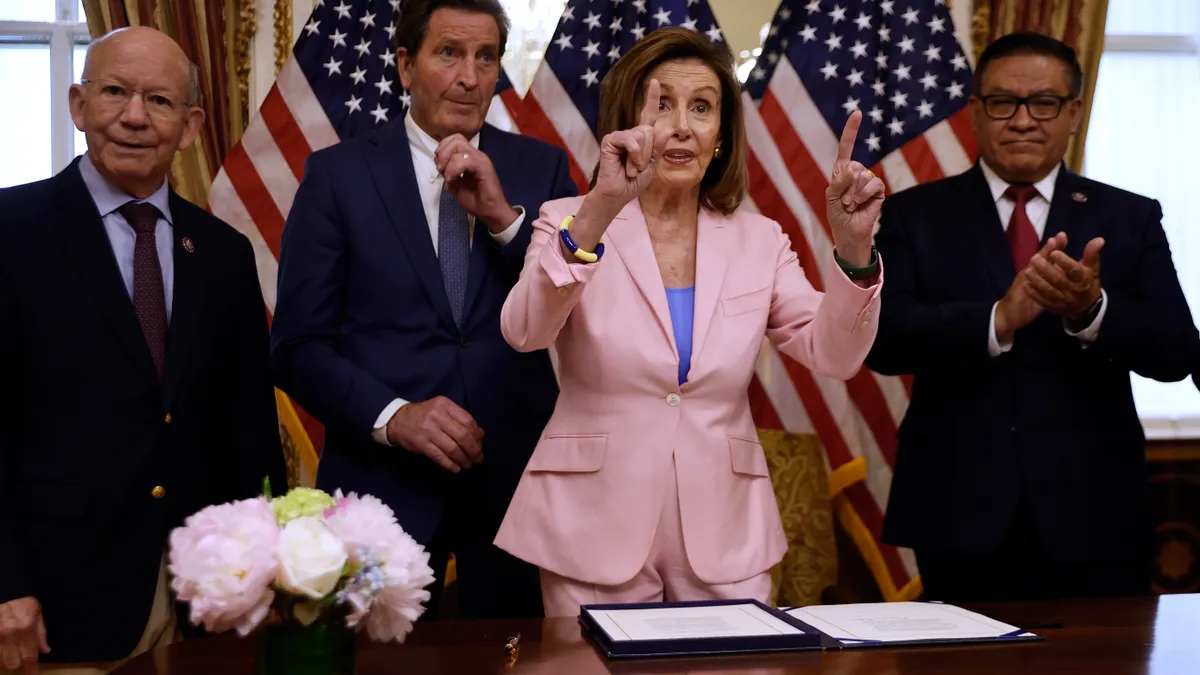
(373,538)
(222,562)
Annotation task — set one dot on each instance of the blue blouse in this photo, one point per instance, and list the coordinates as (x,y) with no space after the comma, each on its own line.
(682,303)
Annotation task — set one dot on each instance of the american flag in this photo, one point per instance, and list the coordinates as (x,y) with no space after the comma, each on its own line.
(563,101)
(899,63)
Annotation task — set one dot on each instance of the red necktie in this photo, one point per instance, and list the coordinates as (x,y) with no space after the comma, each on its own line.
(1022,238)
(149,299)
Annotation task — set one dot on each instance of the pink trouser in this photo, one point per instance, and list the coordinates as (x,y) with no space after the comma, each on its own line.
(665,577)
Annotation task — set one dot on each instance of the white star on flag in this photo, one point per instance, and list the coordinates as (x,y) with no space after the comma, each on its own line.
(379,113)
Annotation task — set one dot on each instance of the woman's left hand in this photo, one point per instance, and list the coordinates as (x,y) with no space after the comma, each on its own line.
(853,200)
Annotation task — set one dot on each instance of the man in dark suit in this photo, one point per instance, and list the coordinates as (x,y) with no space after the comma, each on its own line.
(395,262)
(1020,471)
(135,385)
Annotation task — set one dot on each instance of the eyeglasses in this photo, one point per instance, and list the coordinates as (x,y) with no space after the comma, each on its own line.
(116,95)
(1040,106)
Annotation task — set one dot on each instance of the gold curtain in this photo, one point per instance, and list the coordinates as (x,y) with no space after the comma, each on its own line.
(215,35)
(1078,23)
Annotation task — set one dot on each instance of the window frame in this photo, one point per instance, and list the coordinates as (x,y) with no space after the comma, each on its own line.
(1160,427)
(62,36)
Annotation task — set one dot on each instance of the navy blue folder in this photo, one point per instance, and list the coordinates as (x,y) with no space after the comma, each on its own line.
(808,638)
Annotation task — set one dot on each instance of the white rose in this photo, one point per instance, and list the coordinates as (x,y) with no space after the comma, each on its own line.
(311,558)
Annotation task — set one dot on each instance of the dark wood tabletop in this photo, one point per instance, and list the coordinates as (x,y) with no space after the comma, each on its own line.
(1147,636)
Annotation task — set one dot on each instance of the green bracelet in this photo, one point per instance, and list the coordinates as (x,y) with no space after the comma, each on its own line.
(859,273)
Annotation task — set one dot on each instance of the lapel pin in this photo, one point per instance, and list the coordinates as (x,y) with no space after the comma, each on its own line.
(1079,197)
(188,245)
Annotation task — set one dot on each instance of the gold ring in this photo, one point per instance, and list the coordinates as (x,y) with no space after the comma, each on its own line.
(466,156)
(869,173)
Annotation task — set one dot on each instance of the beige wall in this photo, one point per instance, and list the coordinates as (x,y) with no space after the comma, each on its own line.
(741,21)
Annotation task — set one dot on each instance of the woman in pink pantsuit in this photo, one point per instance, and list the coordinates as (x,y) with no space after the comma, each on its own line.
(649,483)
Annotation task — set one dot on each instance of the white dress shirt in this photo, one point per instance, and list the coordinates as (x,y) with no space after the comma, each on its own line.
(1038,210)
(429,184)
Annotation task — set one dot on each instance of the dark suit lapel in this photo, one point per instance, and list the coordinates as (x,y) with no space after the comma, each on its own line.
(982,222)
(81,233)
(1069,213)
(391,166)
(190,282)
(489,140)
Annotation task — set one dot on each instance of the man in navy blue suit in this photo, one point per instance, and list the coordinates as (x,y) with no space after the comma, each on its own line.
(396,259)
(1021,296)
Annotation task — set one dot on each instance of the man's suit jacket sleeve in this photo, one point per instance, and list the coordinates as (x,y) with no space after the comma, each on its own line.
(915,335)
(255,425)
(1148,325)
(309,311)
(14,572)
(512,254)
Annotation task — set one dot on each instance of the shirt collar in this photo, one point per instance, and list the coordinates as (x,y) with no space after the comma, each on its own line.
(109,198)
(998,186)
(423,144)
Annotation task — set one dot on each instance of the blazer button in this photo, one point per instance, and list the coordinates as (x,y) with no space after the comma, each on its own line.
(158,492)
(464,343)
(673,399)
(167,419)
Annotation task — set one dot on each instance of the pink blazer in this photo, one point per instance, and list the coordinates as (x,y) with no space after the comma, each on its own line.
(588,504)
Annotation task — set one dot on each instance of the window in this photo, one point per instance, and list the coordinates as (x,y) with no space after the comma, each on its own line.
(42,43)
(1141,138)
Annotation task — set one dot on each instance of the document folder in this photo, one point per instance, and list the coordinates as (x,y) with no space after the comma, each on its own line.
(696,629)
(748,626)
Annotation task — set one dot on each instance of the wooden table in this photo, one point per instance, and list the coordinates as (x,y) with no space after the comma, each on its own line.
(1151,636)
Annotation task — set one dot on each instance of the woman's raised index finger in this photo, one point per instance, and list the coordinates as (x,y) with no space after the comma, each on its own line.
(650,110)
(849,135)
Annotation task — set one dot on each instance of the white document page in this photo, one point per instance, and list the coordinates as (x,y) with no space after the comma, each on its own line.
(680,623)
(900,622)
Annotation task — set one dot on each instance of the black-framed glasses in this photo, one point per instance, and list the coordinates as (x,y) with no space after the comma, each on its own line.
(117,95)
(1040,106)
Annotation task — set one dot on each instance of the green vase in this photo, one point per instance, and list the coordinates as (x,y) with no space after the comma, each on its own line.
(322,648)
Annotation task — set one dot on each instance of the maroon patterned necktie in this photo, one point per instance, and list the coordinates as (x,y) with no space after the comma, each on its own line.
(1022,238)
(149,299)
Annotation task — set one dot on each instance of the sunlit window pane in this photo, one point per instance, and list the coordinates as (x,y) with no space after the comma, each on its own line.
(1146,102)
(80,13)
(25,123)
(80,142)
(1152,17)
(27,10)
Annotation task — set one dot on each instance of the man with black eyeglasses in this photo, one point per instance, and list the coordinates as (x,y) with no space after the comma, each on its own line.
(1020,296)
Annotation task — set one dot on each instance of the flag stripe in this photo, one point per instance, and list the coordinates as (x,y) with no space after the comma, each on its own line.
(801,166)
(307,112)
(960,123)
(254,196)
(287,136)
(531,120)
(946,148)
(921,160)
(805,119)
(566,121)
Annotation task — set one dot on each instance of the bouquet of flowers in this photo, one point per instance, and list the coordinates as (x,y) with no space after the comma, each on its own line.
(301,557)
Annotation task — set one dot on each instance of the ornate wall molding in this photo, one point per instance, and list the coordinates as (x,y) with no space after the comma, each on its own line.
(283,33)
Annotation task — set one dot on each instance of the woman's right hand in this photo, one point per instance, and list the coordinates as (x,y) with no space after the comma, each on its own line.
(628,160)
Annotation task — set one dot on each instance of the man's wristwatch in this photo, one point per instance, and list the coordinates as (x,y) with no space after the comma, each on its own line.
(1087,319)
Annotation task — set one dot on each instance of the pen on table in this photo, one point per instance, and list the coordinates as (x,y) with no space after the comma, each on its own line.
(513,644)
